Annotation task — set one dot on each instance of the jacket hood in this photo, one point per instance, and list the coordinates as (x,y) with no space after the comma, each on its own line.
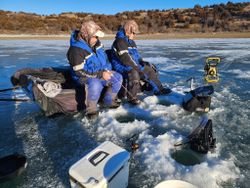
(73,38)
(81,42)
(78,43)
(121,34)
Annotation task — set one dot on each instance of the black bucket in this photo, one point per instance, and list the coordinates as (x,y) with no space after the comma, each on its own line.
(12,166)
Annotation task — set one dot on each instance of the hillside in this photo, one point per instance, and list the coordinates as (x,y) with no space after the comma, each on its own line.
(230,17)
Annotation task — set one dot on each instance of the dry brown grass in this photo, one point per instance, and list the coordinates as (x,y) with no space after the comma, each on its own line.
(161,36)
(194,35)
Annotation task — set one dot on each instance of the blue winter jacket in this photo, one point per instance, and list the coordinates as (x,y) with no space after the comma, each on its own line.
(86,61)
(125,55)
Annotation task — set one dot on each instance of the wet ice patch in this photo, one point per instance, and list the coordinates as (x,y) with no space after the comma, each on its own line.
(157,60)
(9,66)
(23,58)
(241,74)
(233,55)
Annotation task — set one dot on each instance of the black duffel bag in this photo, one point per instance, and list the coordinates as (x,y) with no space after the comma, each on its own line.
(199,99)
(201,139)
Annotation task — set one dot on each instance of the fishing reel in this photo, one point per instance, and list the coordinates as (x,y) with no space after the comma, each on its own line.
(132,142)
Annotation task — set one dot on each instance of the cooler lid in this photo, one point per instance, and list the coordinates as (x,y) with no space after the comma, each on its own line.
(100,164)
(175,184)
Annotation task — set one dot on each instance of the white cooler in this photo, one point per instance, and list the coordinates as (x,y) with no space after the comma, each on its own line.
(107,166)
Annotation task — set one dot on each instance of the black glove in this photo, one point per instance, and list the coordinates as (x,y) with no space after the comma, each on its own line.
(145,63)
(22,80)
(14,81)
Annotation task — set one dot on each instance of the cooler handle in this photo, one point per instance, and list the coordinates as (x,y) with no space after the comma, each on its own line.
(98,157)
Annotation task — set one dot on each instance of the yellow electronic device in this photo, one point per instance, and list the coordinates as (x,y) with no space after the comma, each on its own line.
(211,70)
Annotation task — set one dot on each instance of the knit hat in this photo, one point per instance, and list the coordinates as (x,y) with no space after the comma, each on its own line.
(131,27)
(90,29)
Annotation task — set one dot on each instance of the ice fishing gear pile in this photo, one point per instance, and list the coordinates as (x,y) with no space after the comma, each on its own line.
(51,88)
(201,138)
(211,70)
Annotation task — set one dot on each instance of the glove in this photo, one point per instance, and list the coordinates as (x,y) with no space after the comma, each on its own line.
(145,63)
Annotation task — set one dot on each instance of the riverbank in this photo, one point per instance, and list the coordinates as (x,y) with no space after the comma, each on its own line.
(159,36)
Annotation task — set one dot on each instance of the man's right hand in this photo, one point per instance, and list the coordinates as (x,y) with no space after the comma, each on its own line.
(106,75)
(143,63)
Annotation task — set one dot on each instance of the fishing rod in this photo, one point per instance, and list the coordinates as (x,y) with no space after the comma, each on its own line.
(10,89)
(20,82)
(126,89)
(15,100)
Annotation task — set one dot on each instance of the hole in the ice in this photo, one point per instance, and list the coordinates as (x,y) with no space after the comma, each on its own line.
(187,157)
(125,118)
(164,102)
(130,117)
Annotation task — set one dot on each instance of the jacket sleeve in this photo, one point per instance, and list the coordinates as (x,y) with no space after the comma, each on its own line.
(121,48)
(77,58)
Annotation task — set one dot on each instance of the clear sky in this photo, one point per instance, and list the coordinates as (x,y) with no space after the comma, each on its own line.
(100,6)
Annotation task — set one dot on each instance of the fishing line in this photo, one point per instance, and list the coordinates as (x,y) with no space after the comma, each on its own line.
(125,89)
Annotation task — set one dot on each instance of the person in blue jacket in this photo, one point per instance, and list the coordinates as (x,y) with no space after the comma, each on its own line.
(127,61)
(91,68)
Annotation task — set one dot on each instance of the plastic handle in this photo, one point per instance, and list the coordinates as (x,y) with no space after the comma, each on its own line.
(98,157)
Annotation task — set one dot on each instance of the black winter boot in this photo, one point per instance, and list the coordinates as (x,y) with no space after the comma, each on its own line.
(134,101)
(163,91)
(92,115)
